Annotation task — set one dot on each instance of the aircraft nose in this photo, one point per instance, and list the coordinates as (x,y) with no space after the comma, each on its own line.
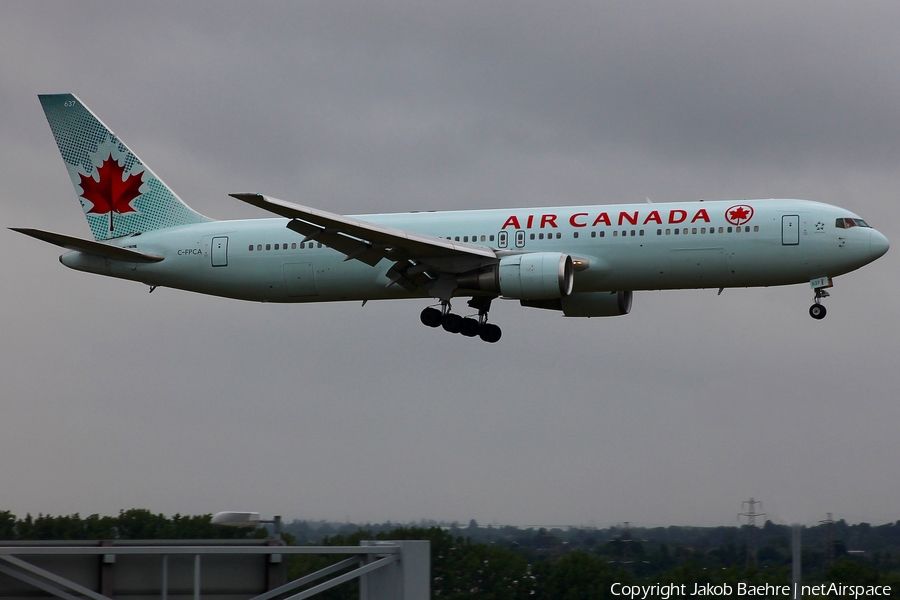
(878,244)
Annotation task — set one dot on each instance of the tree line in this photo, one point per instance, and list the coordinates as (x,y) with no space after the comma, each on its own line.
(133,524)
(509,563)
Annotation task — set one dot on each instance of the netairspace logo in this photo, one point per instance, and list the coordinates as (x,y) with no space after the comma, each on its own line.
(665,591)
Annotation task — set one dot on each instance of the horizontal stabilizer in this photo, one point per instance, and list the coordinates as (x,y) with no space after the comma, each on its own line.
(89,247)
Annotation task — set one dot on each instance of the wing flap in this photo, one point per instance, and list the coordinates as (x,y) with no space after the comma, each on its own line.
(90,247)
(346,234)
(353,248)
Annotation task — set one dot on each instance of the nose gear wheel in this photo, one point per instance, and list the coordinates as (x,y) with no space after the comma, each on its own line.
(817,310)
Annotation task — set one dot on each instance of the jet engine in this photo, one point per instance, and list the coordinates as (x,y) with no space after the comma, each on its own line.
(587,304)
(533,276)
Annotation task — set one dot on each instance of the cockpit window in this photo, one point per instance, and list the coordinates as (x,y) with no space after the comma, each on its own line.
(847,223)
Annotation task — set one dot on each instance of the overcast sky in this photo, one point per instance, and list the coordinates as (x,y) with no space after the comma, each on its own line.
(180,403)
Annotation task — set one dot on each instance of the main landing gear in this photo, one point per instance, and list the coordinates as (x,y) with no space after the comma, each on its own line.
(817,310)
(467,326)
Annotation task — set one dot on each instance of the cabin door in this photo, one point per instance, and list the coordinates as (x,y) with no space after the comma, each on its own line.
(219,252)
(790,230)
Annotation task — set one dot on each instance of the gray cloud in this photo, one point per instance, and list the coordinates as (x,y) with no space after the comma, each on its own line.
(115,398)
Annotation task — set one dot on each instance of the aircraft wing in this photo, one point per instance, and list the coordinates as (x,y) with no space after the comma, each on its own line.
(370,243)
(90,247)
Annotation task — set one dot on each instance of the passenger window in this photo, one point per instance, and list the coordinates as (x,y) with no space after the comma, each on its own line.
(540,236)
(641,232)
(694,231)
(456,239)
(319,245)
(668,231)
(482,238)
(729,230)
(676,231)
(659,232)
(465,238)
(276,246)
(559,235)
(602,234)
(293,245)
(268,246)
(532,236)
(755,228)
(492,237)
(594,234)
(251,247)
(615,233)
(720,229)
(575,235)
(632,233)
(259,247)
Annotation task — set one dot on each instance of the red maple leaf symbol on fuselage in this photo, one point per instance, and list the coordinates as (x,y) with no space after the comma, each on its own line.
(740,214)
(113,193)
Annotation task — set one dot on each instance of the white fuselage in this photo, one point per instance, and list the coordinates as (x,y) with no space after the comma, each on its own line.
(714,244)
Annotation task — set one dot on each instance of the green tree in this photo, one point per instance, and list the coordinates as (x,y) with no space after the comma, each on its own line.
(7,525)
(578,576)
(853,572)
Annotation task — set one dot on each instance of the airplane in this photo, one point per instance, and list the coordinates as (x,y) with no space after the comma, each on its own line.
(582,261)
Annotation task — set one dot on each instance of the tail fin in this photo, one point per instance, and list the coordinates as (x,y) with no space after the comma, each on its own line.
(119,194)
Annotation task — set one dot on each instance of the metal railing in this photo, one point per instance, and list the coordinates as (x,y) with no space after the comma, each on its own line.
(240,570)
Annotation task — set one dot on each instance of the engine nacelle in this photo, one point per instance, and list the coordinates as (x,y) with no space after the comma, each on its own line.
(588,304)
(533,276)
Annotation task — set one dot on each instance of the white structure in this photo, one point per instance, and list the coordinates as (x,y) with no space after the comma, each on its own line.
(208,569)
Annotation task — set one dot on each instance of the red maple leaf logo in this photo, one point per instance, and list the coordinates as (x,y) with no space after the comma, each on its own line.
(738,215)
(114,193)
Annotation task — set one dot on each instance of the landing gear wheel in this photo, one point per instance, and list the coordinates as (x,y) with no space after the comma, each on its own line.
(431,317)
(490,333)
(452,322)
(469,327)
(817,311)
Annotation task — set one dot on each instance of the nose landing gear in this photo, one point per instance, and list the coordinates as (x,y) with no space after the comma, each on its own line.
(468,326)
(817,310)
